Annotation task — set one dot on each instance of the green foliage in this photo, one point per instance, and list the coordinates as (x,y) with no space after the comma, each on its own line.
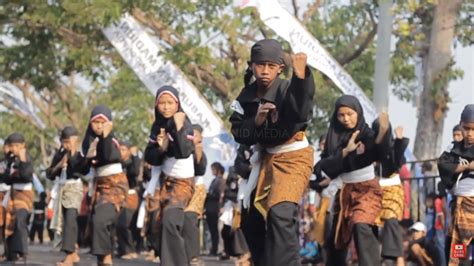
(208,40)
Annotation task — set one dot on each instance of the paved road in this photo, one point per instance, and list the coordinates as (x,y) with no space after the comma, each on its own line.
(46,255)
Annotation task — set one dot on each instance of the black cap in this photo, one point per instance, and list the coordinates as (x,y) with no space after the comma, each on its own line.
(68,132)
(15,138)
(267,50)
(126,143)
(467,115)
(197,127)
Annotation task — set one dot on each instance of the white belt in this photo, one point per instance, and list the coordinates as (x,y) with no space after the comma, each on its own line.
(38,211)
(23,186)
(178,168)
(73,181)
(247,186)
(359,175)
(4,187)
(199,180)
(390,181)
(331,190)
(132,191)
(109,169)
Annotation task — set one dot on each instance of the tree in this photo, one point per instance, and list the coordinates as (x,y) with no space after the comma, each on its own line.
(47,46)
(429,35)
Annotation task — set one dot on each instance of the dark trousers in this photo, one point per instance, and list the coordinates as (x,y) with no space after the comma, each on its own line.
(103,223)
(366,244)
(212,219)
(191,235)
(172,242)
(82,225)
(153,237)
(70,230)
(253,226)
(18,242)
(234,241)
(37,228)
(281,243)
(124,232)
(50,231)
(392,239)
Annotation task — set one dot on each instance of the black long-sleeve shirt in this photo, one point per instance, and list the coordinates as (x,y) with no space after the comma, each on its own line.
(294,104)
(449,161)
(131,167)
(242,161)
(393,158)
(334,165)
(180,145)
(18,172)
(200,167)
(72,164)
(107,153)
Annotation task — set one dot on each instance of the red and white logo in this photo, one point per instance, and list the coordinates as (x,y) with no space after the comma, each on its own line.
(458,251)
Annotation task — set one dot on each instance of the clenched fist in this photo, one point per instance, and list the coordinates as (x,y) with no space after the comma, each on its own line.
(299,64)
(108,126)
(179,118)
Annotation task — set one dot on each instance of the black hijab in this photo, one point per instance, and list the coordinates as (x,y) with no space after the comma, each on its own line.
(338,135)
(101,111)
(160,121)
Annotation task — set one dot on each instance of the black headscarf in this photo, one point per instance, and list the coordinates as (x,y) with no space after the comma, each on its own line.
(467,115)
(160,121)
(338,135)
(68,132)
(267,50)
(15,138)
(98,111)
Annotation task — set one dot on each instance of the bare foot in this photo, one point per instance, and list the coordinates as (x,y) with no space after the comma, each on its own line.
(107,259)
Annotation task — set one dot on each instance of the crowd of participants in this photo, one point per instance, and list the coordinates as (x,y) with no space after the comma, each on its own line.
(281,203)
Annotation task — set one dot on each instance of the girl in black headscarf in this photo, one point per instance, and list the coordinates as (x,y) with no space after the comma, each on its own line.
(171,147)
(101,151)
(351,149)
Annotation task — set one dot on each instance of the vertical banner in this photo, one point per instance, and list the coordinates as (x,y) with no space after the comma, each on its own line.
(141,51)
(290,29)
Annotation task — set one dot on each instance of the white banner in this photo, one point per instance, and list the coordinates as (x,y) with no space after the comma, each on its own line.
(141,51)
(290,29)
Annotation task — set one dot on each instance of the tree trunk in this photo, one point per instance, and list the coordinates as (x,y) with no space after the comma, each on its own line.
(436,65)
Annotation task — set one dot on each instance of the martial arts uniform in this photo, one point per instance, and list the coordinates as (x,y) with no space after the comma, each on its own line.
(359,201)
(18,201)
(68,189)
(282,161)
(176,181)
(110,186)
(463,187)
